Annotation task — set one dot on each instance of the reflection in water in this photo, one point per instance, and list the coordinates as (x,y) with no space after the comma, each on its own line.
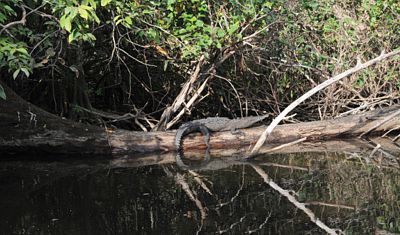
(92,198)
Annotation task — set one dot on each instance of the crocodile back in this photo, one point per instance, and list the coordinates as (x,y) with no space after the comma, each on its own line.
(241,123)
(214,123)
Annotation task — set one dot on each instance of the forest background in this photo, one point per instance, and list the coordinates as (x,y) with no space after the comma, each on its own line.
(127,61)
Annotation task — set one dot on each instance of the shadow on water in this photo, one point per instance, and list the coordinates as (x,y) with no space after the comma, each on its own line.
(356,192)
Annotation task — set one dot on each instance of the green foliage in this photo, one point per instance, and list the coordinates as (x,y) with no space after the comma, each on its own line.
(15,57)
(189,29)
(76,18)
(382,12)
(177,29)
(7,10)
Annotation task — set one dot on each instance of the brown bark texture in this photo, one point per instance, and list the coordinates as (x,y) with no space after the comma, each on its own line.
(25,128)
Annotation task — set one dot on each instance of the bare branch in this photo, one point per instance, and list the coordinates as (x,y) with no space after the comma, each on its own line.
(311,92)
(180,99)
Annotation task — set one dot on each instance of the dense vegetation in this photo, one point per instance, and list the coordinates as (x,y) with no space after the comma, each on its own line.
(73,57)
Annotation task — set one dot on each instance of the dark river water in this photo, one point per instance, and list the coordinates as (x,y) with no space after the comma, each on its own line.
(344,193)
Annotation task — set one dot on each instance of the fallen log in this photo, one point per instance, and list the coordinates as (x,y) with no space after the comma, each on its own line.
(27,128)
(344,127)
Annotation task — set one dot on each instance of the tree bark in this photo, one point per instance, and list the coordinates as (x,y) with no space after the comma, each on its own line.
(25,128)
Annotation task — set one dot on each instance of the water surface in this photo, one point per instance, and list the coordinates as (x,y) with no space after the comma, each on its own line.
(96,197)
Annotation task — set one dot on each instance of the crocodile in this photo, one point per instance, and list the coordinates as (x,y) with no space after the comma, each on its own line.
(208,125)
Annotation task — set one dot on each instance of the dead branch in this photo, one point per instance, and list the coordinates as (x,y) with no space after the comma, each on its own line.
(180,99)
(311,92)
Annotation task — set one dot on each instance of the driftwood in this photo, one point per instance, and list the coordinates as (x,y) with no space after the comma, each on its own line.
(27,128)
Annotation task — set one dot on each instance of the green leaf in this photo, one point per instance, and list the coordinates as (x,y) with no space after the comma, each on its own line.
(2,18)
(116,18)
(85,7)
(105,2)
(26,72)
(91,3)
(220,33)
(2,93)
(88,37)
(22,50)
(128,20)
(268,5)
(199,23)
(83,13)
(10,10)
(233,28)
(71,37)
(16,72)
(65,22)
(95,17)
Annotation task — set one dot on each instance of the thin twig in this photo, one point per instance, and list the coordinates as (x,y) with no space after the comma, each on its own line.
(378,146)
(330,205)
(234,89)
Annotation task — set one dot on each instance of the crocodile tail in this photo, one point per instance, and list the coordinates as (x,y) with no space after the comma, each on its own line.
(185,129)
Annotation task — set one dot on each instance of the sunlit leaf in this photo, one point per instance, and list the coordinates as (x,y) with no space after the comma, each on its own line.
(105,2)
(83,13)
(128,20)
(95,17)
(73,35)
(16,72)
(26,72)
(268,5)
(65,22)
(86,7)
